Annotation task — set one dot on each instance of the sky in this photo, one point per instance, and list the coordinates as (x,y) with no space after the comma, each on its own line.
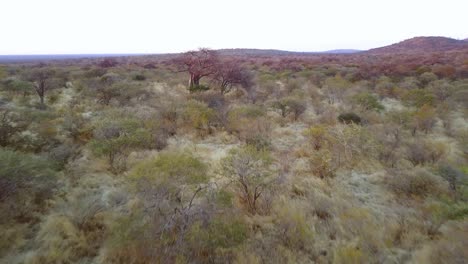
(156,26)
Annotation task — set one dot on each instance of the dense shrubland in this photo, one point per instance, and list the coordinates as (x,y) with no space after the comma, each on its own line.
(321,159)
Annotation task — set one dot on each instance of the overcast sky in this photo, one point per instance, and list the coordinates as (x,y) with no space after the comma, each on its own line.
(153,26)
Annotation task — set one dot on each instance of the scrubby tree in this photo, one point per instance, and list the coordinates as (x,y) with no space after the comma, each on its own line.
(16,86)
(199,116)
(168,178)
(249,169)
(106,87)
(452,175)
(26,181)
(424,119)
(171,187)
(115,138)
(367,101)
(289,105)
(427,78)
(230,73)
(334,88)
(43,79)
(418,98)
(10,125)
(318,135)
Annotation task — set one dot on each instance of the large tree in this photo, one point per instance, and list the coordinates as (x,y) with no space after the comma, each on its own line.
(198,64)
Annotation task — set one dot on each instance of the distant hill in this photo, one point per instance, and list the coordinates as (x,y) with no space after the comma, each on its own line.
(258,52)
(273,52)
(49,57)
(341,51)
(422,44)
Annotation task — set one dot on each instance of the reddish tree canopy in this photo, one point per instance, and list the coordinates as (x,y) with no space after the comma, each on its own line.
(198,64)
(230,73)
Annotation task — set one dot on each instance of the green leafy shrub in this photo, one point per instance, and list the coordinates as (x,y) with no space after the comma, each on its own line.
(296,232)
(115,138)
(419,97)
(199,116)
(452,175)
(318,135)
(220,232)
(11,125)
(174,168)
(26,182)
(321,164)
(290,105)
(367,101)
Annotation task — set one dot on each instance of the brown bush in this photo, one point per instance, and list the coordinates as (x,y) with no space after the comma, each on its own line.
(415,183)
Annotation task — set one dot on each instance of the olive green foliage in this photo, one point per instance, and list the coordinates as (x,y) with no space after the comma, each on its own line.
(296,232)
(419,97)
(249,122)
(368,102)
(26,182)
(114,138)
(171,167)
(334,88)
(18,86)
(424,119)
(250,169)
(11,125)
(199,116)
(221,232)
(318,135)
(290,105)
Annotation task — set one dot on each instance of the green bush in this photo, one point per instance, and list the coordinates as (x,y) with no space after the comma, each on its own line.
(199,116)
(221,232)
(115,138)
(290,105)
(173,168)
(452,175)
(368,101)
(418,98)
(22,171)
(26,182)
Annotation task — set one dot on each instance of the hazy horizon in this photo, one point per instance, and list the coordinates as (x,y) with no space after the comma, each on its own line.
(53,27)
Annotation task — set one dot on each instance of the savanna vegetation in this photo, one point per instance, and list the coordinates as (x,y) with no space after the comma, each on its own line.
(218,157)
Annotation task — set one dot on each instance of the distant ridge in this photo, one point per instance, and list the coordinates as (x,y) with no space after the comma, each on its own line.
(48,57)
(422,44)
(341,51)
